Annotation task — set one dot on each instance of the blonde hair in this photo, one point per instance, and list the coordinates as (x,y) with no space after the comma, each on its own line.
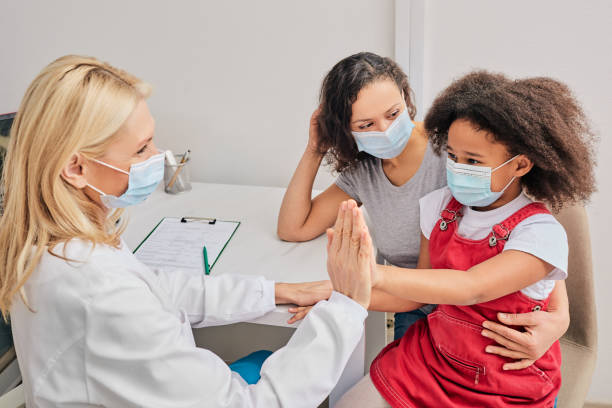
(76,104)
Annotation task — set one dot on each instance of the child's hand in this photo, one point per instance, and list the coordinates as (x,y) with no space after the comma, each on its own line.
(299,313)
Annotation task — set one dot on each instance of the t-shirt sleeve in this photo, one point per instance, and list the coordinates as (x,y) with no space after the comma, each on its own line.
(348,181)
(431,205)
(542,236)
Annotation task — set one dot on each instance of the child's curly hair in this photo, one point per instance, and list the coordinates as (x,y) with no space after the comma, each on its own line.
(537,117)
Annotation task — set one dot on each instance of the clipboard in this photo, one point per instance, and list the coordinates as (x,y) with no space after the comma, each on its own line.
(193,244)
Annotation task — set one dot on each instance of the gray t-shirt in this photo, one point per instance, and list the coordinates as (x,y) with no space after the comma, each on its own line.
(394,210)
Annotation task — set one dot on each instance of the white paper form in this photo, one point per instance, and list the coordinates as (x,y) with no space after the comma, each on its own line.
(179,245)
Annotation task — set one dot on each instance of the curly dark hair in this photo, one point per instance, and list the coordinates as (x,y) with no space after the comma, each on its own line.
(338,93)
(537,117)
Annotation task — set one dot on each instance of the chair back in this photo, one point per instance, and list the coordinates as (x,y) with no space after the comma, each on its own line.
(579,344)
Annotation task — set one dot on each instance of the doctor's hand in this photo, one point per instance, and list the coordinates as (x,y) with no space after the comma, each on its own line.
(349,255)
(302,294)
(299,313)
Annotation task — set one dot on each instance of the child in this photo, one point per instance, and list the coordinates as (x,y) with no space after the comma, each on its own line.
(486,244)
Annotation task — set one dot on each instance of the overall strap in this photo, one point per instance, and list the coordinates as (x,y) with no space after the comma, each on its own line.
(501,231)
(450,213)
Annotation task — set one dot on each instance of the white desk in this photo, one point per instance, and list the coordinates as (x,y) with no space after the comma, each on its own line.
(254,250)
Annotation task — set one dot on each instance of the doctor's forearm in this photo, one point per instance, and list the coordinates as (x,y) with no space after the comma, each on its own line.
(302,294)
(282,295)
(306,369)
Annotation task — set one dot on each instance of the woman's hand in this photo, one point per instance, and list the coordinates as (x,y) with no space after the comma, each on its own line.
(542,329)
(349,255)
(302,294)
(313,132)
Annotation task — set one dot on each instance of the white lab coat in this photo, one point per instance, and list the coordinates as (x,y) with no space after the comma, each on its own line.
(108,331)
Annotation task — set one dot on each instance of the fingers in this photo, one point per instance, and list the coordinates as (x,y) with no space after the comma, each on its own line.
(365,248)
(518,365)
(330,237)
(503,341)
(504,352)
(360,219)
(315,113)
(364,258)
(347,225)
(298,313)
(340,218)
(504,331)
(356,234)
(519,319)
(337,235)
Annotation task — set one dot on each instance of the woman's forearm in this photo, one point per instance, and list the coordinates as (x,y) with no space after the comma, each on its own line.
(297,201)
(558,305)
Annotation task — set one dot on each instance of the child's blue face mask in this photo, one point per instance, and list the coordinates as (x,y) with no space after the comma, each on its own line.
(387,144)
(144,178)
(471,185)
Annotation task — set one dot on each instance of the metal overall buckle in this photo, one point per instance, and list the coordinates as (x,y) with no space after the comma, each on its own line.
(498,232)
(447,220)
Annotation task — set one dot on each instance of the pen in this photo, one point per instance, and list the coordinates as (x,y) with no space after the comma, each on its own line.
(206,266)
(178,169)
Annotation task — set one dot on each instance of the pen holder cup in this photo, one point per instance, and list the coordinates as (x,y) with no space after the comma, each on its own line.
(177,178)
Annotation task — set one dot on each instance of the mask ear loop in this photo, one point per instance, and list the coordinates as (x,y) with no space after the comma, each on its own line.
(502,165)
(96,190)
(110,166)
(508,185)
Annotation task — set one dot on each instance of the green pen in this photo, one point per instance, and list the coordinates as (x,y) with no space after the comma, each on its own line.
(206,267)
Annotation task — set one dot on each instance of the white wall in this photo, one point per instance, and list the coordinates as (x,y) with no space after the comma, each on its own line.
(234,81)
(567,40)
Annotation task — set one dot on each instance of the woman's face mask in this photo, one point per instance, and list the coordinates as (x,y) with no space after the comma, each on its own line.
(387,144)
(380,123)
(143,180)
(134,148)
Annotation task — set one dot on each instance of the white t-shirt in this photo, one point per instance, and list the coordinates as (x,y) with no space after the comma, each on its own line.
(540,235)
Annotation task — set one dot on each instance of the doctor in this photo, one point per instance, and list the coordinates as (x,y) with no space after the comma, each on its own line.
(95,327)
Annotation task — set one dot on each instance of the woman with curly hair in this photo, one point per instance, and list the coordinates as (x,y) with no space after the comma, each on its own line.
(365,127)
(489,242)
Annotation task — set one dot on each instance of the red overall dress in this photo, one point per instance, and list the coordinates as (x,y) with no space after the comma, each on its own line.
(441,361)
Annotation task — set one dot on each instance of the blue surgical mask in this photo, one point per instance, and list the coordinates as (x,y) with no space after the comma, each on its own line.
(387,144)
(471,185)
(144,178)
